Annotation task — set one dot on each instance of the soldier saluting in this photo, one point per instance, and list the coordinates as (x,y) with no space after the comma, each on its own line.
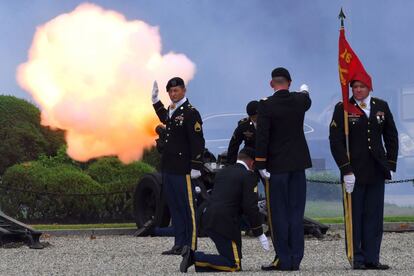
(368,167)
(244,132)
(181,161)
(282,155)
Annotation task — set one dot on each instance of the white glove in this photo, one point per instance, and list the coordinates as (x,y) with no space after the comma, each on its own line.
(264,173)
(195,174)
(349,180)
(392,175)
(304,87)
(154,96)
(264,242)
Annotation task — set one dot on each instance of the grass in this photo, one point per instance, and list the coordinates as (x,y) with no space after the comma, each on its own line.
(82,226)
(333,209)
(386,219)
(325,220)
(328,212)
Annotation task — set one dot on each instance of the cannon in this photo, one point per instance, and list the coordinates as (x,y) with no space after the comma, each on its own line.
(12,230)
(150,204)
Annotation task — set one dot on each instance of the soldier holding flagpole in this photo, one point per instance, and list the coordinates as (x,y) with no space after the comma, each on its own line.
(358,128)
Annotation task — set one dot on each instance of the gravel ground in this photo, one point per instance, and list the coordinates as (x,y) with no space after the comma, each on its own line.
(127,255)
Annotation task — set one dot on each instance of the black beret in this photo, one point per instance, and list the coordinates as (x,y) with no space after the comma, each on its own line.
(175,82)
(251,108)
(248,151)
(281,72)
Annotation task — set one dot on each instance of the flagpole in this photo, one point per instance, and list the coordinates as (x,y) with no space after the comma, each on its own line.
(347,198)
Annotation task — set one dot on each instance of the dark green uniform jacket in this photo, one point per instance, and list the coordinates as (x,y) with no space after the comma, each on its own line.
(280,140)
(246,132)
(233,195)
(184,141)
(366,136)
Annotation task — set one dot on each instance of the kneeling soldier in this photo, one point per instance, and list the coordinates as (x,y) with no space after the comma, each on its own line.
(234,194)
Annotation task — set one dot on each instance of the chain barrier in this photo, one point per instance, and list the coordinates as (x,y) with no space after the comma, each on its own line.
(127,191)
(338,182)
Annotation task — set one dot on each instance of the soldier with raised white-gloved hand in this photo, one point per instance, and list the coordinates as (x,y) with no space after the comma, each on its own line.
(181,160)
(282,155)
(304,88)
(154,96)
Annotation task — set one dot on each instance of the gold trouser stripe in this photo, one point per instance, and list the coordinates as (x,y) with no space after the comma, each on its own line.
(348,224)
(343,165)
(190,201)
(269,214)
(223,267)
(218,267)
(236,255)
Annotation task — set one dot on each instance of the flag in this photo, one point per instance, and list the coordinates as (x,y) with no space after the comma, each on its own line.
(350,69)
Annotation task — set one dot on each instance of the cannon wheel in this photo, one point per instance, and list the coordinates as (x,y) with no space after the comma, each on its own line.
(149,202)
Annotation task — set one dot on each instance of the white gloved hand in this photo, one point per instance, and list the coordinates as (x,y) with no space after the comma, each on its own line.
(264,242)
(154,96)
(195,174)
(392,175)
(304,87)
(349,180)
(264,173)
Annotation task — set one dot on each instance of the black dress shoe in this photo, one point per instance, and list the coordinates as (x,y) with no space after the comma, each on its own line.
(188,258)
(377,266)
(359,266)
(146,229)
(176,250)
(275,265)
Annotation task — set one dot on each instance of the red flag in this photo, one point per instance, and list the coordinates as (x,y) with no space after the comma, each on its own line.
(350,69)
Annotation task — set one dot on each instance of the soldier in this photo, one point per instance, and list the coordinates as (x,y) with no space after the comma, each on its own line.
(181,161)
(245,131)
(282,155)
(234,194)
(369,165)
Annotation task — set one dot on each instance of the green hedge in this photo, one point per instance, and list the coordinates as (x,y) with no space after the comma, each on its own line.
(21,135)
(60,179)
(115,176)
(59,175)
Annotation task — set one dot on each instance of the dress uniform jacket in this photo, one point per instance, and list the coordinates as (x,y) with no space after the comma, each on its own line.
(246,132)
(233,195)
(184,142)
(280,141)
(367,150)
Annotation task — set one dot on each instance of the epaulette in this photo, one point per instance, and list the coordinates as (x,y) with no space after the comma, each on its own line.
(243,121)
(338,104)
(264,99)
(377,99)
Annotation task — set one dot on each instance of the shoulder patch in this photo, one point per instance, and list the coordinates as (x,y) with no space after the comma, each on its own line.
(333,124)
(197,127)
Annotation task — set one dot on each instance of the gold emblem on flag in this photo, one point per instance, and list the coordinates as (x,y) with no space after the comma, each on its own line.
(197,127)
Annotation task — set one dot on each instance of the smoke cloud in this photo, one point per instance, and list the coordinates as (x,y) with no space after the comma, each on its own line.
(91,72)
